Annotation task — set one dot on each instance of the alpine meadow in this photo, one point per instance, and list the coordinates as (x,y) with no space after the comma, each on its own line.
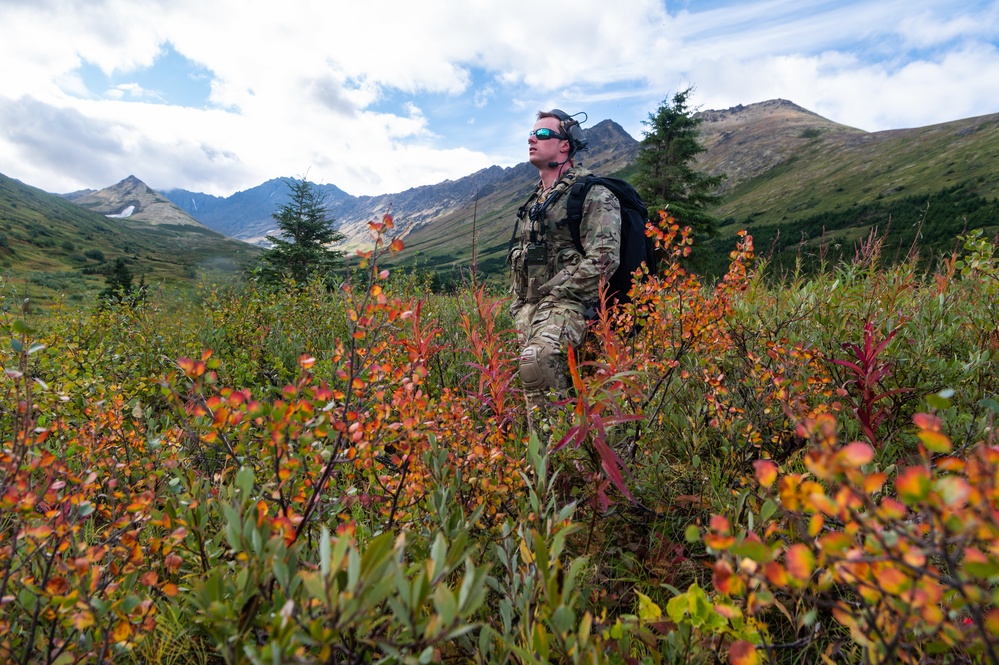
(781,450)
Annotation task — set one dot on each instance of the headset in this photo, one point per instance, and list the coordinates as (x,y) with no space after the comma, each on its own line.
(571,128)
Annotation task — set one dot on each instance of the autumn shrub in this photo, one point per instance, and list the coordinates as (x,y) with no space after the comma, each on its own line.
(744,471)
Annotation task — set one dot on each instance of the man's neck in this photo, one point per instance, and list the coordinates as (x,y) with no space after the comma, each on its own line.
(549,176)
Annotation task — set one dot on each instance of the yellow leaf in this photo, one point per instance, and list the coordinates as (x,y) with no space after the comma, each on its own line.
(121,632)
(83,620)
(647,609)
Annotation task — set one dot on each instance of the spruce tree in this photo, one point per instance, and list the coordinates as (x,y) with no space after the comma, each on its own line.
(118,282)
(666,175)
(302,250)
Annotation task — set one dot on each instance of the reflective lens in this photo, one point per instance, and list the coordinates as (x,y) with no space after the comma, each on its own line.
(544,134)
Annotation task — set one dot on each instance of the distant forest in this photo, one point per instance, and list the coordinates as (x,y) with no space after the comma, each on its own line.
(930,223)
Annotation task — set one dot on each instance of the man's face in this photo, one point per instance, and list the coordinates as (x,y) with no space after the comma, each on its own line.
(549,150)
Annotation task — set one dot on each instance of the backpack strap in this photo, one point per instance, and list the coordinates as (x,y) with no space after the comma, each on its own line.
(574,209)
(521,213)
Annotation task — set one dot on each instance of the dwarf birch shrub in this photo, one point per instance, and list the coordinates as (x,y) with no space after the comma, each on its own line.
(744,471)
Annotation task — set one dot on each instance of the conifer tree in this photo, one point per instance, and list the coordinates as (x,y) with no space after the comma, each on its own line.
(302,251)
(118,282)
(666,175)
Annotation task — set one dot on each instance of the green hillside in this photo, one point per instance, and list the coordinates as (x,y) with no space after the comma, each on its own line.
(801,184)
(834,186)
(50,247)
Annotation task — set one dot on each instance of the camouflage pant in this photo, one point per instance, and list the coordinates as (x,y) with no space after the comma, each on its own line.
(545,330)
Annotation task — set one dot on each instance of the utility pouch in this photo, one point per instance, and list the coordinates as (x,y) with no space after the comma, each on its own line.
(536,255)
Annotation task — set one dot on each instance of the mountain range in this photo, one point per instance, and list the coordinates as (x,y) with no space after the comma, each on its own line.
(797,181)
(246,215)
(787,170)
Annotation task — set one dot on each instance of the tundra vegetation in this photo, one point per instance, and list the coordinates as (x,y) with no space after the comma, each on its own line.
(748,471)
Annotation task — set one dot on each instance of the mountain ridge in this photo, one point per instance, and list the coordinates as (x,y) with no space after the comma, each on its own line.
(132,198)
(785,165)
(246,215)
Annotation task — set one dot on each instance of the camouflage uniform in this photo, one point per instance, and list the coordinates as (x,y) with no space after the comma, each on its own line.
(554,284)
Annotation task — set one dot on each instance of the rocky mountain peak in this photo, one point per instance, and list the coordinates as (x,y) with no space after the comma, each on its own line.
(133,199)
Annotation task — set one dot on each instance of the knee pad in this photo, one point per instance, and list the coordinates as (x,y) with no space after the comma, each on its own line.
(536,368)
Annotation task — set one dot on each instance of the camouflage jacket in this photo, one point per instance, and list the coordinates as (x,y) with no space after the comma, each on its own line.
(543,258)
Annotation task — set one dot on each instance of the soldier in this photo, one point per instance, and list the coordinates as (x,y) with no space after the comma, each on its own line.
(553,282)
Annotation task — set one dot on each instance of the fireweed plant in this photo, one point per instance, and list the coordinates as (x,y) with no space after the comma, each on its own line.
(747,471)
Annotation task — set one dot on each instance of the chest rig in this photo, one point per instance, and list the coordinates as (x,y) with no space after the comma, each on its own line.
(536,240)
(534,216)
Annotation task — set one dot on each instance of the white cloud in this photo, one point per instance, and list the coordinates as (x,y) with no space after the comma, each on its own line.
(364,95)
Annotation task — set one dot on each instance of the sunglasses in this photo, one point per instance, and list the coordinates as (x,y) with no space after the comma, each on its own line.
(544,134)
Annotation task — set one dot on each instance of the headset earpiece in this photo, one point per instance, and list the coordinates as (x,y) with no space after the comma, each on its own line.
(571,128)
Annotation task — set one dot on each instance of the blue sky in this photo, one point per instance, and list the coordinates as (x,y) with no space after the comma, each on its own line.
(379,96)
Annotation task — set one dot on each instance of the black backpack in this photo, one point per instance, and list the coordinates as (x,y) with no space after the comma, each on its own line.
(636,247)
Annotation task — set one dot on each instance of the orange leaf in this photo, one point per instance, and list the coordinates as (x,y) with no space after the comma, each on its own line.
(856,454)
(717,542)
(725,580)
(992,622)
(121,632)
(927,421)
(766,472)
(170,589)
(57,586)
(397,245)
(743,653)
(873,482)
(936,442)
(149,579)
(913,484)
(800,562)
(776,574)
(719,523)
(892,580)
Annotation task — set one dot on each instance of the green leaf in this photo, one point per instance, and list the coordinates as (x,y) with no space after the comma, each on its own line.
(752,549)
(445,605)
(244,481)
(767,510)
(563,619)
(940,400)
(438,555)
(281,572)
(324,552)
(989,403)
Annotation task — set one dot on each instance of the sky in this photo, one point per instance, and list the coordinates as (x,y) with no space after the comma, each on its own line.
(378,96)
